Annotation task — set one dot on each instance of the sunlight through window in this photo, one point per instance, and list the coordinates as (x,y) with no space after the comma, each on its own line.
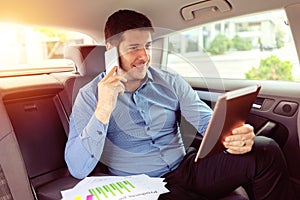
(36,47)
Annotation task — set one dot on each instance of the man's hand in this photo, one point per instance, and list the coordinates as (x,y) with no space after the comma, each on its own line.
(241,140)
(108,90)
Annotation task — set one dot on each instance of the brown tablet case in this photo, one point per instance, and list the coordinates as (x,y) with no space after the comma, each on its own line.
(230,111)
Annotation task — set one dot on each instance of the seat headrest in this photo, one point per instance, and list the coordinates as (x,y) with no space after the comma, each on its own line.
(88,59)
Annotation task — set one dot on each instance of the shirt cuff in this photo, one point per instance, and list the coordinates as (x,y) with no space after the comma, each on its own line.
(94,130)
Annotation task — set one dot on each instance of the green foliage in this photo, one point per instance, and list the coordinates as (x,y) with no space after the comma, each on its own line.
(60,35)
(55,40)
(271,68)
(219,45)
(171,48)
(279,39)
(192,46)
(241,44)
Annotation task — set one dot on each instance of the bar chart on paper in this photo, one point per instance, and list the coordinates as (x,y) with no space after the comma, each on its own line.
(116,188)
(111,190)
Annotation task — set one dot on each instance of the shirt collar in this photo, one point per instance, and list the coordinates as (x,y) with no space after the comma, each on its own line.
(149,78)
(149,75)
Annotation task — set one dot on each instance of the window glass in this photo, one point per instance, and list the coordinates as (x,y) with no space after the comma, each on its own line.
(258,47)
(24,47)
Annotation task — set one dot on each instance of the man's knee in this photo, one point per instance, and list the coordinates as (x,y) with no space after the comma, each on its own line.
(268,151)
(265,144)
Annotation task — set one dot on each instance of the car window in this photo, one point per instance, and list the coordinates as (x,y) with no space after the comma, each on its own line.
(258,46)
(24,47)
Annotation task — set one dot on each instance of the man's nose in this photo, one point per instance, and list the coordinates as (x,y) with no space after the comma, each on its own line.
(143,54)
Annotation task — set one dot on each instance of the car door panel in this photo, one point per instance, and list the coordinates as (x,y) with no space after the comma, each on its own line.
(274,114)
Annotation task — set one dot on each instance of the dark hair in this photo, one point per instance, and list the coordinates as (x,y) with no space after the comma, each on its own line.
(124,20)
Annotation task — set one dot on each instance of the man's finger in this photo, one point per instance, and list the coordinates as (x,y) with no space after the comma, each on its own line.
(242,129)
(112,71)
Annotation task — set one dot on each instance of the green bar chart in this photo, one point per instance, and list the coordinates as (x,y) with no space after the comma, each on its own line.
(136,187)
(111,190)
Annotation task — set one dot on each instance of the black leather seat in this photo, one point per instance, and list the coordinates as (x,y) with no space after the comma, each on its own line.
(89,62)
(4,188)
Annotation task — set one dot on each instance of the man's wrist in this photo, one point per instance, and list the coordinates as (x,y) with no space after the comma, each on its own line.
(102,115)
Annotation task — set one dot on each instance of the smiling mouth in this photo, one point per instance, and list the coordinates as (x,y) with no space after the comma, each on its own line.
(139,66)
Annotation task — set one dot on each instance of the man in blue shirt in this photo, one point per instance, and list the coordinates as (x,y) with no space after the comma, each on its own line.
(127,119)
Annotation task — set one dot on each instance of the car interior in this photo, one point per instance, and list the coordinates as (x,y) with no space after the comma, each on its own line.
(35,105)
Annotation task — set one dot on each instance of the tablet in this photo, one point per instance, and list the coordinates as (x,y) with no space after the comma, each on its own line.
(230,111)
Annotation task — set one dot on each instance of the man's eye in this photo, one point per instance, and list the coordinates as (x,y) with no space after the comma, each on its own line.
(132,48)
(148,46)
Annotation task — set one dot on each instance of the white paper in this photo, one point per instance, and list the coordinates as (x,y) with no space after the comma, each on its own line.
(138,187)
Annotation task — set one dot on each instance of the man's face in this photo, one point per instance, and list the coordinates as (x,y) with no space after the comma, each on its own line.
(135,52)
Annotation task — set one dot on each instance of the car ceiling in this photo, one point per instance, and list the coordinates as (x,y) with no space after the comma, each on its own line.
(89,16)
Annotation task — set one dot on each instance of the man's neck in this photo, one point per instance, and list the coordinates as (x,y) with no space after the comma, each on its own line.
(132,86)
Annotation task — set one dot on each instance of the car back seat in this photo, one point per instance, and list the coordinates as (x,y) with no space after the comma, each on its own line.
(38,130)
(33,130)
(14,183)
(89,62)
(4,188)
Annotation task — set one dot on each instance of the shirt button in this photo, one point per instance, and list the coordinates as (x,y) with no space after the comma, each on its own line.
(148,128)
(153,142)
(99,132)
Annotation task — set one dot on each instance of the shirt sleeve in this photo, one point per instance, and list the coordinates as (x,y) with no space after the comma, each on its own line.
(192,108)
(86,136)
